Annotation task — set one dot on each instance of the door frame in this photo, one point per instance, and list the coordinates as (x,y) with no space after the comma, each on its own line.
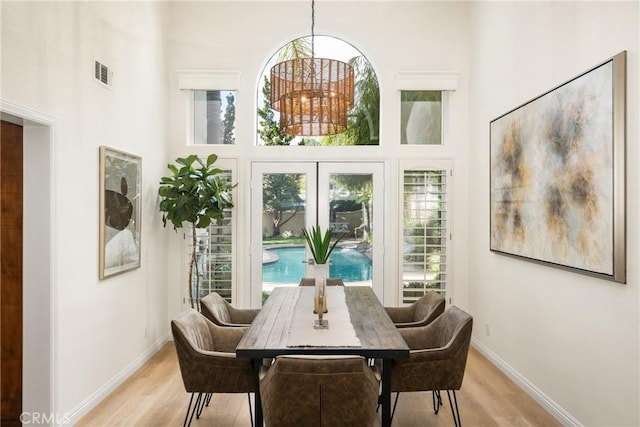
(38,268)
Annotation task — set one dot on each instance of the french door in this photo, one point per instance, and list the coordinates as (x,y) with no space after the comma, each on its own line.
(288,197)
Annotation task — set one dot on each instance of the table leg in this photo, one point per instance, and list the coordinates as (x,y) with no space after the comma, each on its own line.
(386,392)
(257,402)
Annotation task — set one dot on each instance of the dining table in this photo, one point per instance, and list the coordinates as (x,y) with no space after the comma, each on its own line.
(357,325)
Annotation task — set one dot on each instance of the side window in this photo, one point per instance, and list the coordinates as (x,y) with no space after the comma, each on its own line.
(421,117)
(425,223)
(215,254)
(214,117)
(210,97)
(425,99)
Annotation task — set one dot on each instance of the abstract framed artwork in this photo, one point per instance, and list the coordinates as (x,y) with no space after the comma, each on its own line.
(120,219)
(557,178)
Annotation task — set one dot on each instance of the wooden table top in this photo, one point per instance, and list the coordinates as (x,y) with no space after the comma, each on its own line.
(267,336)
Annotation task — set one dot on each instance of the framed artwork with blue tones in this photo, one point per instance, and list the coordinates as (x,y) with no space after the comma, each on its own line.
(557,178)
(120,219)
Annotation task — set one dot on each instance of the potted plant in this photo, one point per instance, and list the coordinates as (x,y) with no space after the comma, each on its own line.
(195,193)
(320,244)
(321,247)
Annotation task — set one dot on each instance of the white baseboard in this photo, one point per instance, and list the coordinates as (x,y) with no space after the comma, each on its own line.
(538,395)
(82,409)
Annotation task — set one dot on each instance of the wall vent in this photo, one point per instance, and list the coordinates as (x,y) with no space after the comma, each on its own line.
(103,74)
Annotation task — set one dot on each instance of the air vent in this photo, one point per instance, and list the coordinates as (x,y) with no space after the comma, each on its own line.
(103,74)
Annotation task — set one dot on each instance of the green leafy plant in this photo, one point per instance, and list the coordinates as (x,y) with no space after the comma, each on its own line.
(195,193)
(320,244)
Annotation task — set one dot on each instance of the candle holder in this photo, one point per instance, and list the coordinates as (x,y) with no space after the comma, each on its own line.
(320,290)
(320,323)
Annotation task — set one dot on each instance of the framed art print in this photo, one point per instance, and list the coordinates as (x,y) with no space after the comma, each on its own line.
(557,179)
(120,225)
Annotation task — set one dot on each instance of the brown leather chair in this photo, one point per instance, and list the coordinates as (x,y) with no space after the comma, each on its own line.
(437,359)
(208,364)
(420,313)
(319,392)
(312,282)
(219,311)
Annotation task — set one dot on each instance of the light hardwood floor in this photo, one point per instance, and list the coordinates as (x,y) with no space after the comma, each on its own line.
(155,396)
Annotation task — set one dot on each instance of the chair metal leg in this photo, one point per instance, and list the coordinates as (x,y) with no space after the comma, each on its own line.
(456,414)
(202,399)
(187,418)
(437,401)
(184,424)
(379,397)
(250,411)
(395,402)
(207,399)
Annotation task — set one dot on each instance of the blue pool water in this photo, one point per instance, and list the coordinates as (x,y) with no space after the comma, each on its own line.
(346,263)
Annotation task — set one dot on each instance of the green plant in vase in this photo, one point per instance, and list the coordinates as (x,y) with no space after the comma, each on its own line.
(321,246)
(320,243)
(196,193)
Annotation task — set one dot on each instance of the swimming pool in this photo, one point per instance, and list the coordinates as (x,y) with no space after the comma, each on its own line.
(346,263)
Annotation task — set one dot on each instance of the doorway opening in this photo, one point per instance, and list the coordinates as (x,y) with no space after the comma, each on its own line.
(38,284)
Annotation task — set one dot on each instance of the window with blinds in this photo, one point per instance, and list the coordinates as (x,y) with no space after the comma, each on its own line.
(424,233)
(215,257)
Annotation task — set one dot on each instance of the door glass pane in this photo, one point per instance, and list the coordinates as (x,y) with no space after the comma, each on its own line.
(351,216)
(283,218)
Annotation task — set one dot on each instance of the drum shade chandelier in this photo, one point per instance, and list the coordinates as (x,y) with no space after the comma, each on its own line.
(312,95)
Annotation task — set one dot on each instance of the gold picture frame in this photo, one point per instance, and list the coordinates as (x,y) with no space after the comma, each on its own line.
(120,205)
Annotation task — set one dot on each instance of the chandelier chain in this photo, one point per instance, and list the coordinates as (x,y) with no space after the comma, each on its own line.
(313,24)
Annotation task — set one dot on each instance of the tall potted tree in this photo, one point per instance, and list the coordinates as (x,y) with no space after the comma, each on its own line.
(195,193)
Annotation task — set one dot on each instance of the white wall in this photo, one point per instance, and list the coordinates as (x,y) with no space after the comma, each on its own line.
(573,338)
(394,36)
(103,328)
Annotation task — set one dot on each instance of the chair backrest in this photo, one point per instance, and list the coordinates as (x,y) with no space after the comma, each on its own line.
(438,354)
(306,281)
(319,391)
(191,330)
(215,308)
(206,355)
(430,306)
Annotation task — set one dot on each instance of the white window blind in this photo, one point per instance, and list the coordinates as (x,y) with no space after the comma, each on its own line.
(215,256)
(424,260)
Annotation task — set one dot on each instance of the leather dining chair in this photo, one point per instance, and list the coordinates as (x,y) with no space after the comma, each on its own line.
(420,313)
(208,364)
(306,281)
(219,311)
(437,358)
(319,391)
